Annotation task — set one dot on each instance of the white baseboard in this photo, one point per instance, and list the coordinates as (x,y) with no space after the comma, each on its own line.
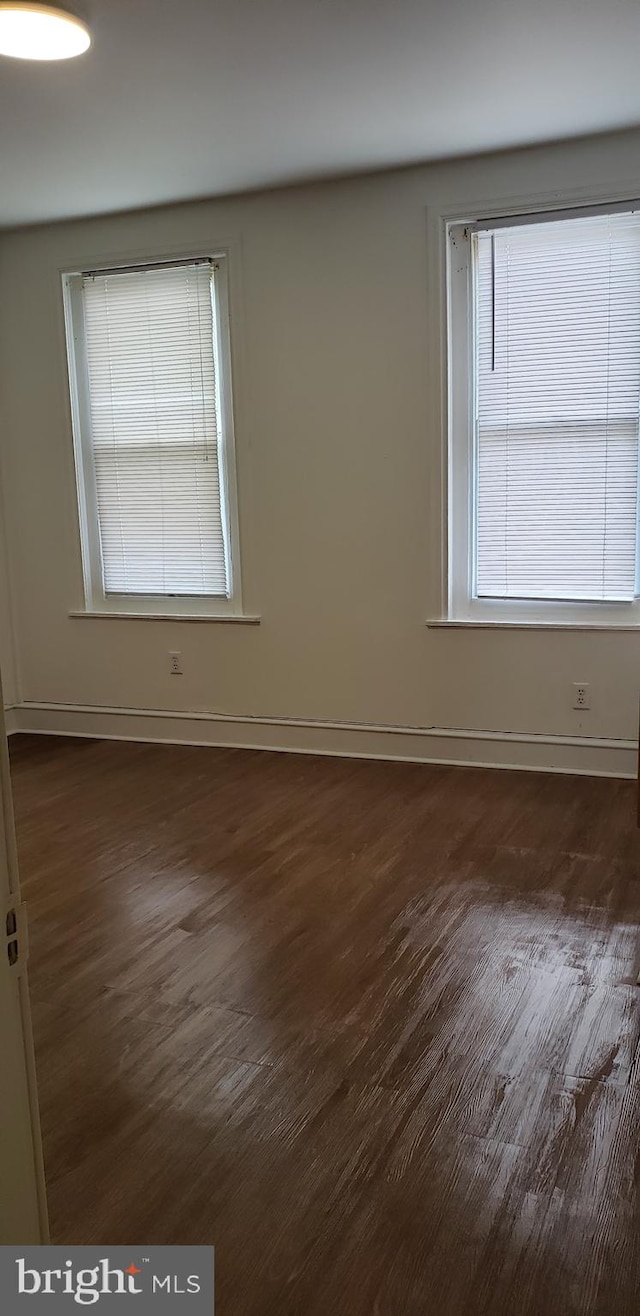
(10,719)
(494,749)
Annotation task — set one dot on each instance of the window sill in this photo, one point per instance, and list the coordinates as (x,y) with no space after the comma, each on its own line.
(241,619)
(486,625)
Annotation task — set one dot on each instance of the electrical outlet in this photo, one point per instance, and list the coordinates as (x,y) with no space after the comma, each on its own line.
(175,664)
(581,697)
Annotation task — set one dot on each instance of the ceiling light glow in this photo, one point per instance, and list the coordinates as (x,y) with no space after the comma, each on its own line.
(34,31)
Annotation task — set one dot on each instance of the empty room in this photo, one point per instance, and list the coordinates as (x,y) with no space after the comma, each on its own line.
(320,656)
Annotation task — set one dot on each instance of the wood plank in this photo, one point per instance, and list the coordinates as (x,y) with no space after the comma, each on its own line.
(370,1028)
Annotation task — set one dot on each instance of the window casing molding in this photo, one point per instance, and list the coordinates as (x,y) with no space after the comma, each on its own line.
(96,600)
(450,376)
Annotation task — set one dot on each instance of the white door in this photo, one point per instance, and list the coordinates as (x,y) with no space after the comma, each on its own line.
(23,1213)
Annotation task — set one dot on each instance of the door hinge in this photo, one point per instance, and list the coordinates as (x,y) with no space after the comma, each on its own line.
(15,936)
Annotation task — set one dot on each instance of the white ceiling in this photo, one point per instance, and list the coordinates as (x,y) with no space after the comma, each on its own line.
(187,98)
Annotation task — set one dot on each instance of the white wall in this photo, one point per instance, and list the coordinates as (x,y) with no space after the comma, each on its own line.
(336,429)
(7,655)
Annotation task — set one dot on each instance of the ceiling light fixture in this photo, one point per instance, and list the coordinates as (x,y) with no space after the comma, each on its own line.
(34,31)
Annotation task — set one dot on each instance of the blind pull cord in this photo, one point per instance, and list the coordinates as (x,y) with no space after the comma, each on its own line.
(493,302)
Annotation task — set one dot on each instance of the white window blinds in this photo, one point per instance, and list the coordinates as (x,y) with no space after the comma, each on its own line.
(155,432)
(558,400)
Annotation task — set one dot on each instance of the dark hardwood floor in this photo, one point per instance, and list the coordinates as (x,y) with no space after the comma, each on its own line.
(370,1028)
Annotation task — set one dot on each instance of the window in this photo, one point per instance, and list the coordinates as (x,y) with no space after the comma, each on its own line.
(545,404)
(150,384)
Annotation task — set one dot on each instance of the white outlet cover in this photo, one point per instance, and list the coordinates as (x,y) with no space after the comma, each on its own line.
(581,696)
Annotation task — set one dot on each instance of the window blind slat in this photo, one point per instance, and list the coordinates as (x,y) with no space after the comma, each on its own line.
(558,402)
(153,403)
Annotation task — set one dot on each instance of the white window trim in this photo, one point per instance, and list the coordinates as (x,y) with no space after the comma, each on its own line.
(452,603)
(97,602)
